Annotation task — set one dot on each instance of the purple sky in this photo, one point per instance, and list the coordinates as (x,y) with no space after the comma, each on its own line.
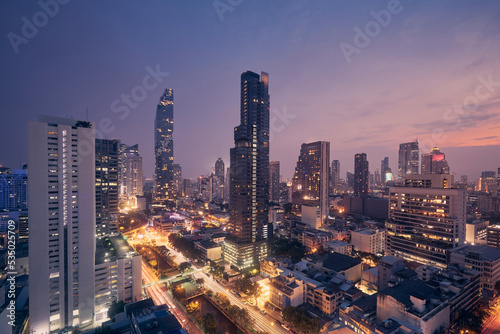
(410,81)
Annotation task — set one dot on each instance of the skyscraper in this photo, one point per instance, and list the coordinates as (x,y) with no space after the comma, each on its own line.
(14,190)
(177,181)
(434,162)
(335,175)
(164,147)
(249,185)
(310,182)
(131,183)
(61,197)
(106,185)
(220,170)
(408,159)
(274,181)
(426,219)
(361,175)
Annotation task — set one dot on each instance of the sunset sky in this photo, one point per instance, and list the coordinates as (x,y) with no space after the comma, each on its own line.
(431,71)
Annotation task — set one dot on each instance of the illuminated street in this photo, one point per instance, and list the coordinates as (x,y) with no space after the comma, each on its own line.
(492,324)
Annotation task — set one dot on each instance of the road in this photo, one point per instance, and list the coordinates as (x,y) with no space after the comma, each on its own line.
(492,324)
(262,322)
(160,297)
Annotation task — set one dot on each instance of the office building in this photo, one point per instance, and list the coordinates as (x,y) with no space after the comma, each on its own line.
(408,159)
(14,189)
(106,185)
(493,236)
(130,172)
(310,182)
(361,175)
(476,231)
(164,147)
(61,156)
(426,220)
(434,162)
(247,242)
(274,181)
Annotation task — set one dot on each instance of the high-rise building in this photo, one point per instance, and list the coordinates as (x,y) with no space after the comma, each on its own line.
(220,171)
(177,169)
(130,173)
(310,182)
(489,174)
(274,181)
(247,243)
(426,219)
(164,147)
(61,196)
(14,190)
(335,176)
(377,177)
(408,159)
(361,175)
(227,182)
(498,176)
(106,185)
(463,179)
(434,162)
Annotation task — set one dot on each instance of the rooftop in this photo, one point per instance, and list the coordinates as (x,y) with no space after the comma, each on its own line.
(339,262)
(483,252)
(112,248)
(405,289)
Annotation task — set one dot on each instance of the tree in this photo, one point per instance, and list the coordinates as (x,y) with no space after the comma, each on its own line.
(209,323)
(193,307)
(217,271)
(179,292)
(300,320)
(184,266)
(200,281)
(115,308)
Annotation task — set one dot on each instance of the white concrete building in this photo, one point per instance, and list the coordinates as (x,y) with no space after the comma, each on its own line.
(61,156)
(368,240)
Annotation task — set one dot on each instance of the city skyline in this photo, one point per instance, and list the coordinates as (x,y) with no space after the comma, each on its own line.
(448,71)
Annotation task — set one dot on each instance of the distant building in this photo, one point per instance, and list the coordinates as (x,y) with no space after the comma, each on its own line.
(361,175)
(14,189)
(177,182)
(106,185)
(130,174)
(220,171)
(434,162)
(369,240)
(408,159)
(274,181)
(335,176)
(310,181)
(164,146)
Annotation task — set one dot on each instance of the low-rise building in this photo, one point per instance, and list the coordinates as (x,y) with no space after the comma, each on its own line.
(482,258)
(388,266)
(338,246)
(369,240)
(270,266)
(476,231)
(209,250)
(493,236)
(118,274)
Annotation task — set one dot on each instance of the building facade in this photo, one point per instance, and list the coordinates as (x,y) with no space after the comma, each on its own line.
(164,147)
(361,175)
(130,173)
(61,156)
(106,185)
(426,221)
(14,190)
(435,162)
(408,159)
(369,240)
(311,180)
(274,181)
(249,184)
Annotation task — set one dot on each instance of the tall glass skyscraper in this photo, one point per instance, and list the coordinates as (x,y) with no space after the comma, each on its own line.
(164,147)
(361,175)
(249,184)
